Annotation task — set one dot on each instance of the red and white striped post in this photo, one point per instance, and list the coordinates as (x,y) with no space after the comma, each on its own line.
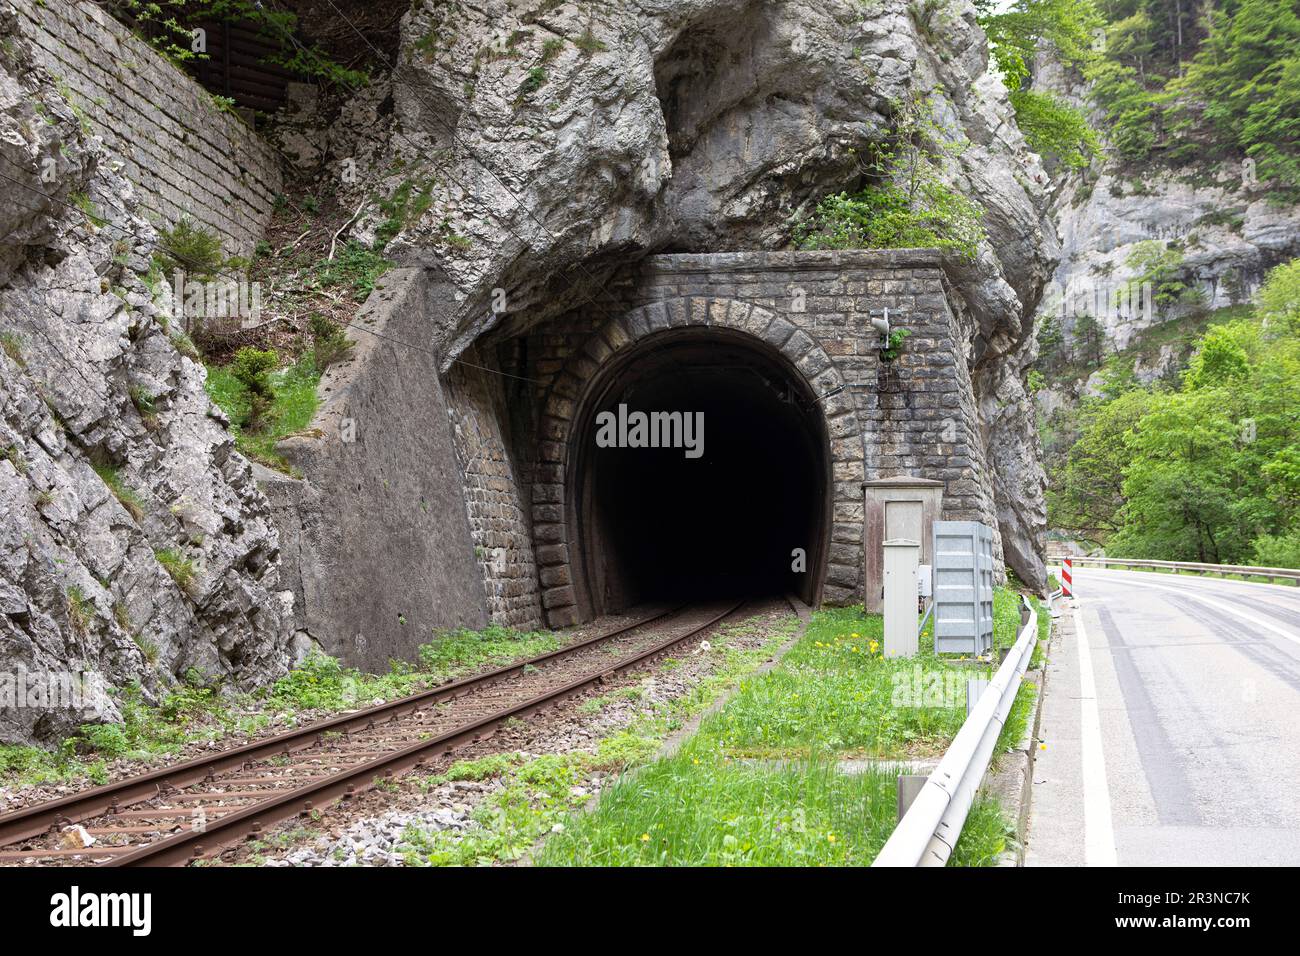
(1067,571)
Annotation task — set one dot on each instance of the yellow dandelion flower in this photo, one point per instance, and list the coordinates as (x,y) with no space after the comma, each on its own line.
(830,837)
(645,838)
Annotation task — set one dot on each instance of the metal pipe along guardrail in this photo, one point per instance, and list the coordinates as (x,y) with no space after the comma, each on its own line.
(1280,574)
(930,828)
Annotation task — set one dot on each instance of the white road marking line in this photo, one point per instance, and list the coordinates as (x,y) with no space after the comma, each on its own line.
(1098,828)
(1229,609)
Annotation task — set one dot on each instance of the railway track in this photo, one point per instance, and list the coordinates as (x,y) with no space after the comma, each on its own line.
(192,810)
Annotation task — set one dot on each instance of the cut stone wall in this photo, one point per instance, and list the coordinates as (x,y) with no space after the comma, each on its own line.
(445,505)
(185,156)
(913,416)
(494,502)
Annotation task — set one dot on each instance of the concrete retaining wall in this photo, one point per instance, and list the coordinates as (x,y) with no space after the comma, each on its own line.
(375,541)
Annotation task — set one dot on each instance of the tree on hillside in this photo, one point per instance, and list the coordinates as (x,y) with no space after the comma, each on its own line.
(1279,298)
(1208,472)
(1089,340)
(1087,495)
(1202,82)
(1245,84)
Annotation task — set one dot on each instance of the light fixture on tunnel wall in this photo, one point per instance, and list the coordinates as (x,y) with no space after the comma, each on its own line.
(880,322)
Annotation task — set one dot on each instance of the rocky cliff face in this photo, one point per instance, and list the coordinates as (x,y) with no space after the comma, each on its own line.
(1224,228)
(134,544)
(1224,224)
(556,140)
(543,145)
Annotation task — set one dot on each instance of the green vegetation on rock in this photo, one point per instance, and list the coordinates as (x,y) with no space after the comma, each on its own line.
(1204,469)
(1189,83)
(1020,32)
(906,204)
(264,406)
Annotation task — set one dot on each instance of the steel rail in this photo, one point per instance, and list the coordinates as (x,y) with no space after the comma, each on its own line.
(39,818)
(231,828)
(930,828)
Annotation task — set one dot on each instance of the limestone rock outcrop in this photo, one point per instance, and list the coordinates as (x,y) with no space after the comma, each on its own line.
(134,543)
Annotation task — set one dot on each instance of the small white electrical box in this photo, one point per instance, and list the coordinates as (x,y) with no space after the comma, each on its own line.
(924,581)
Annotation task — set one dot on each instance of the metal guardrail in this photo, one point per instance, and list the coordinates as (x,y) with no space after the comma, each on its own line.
(1276,574)
(930,828)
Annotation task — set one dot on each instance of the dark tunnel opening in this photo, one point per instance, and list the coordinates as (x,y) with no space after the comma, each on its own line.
(656,524)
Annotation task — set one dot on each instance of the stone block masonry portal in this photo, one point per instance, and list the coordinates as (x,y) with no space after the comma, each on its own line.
(775,350)
(801,323)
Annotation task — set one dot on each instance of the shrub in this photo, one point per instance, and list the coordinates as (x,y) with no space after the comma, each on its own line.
(251,366)
(331,343)
(182,570)
(1279,298)
(1277,551)
(192,249)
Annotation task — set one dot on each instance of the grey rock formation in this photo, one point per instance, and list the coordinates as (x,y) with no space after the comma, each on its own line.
(558,140)
(1228,229)
(111,464)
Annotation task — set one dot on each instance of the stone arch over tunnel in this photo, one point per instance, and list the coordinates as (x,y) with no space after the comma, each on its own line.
(615,526)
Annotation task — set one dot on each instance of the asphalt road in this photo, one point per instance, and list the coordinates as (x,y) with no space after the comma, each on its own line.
(1171,725)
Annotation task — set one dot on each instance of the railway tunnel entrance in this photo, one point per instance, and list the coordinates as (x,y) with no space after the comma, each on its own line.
(740,479)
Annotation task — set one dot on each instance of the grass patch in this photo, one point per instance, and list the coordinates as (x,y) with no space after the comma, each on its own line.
(759,784)
(835,691)
(459,651)
(258,422)
(182,570)
(698,808)
(131,501)
(12,346)
(81,610)
(538,795)
(355,267)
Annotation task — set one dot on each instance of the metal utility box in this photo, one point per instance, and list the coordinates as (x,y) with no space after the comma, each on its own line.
(900,597)
(963,588)
(898,507)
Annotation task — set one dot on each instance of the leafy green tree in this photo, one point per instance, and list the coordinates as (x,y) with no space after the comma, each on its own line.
(1052,127)
(1245,74)
(1179,497)
(1086,495)
(1279,298)
(1220,361)
(1207,472)
(1192,82)
(1161,264)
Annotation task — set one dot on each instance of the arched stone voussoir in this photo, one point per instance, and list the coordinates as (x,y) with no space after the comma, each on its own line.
(767,329)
